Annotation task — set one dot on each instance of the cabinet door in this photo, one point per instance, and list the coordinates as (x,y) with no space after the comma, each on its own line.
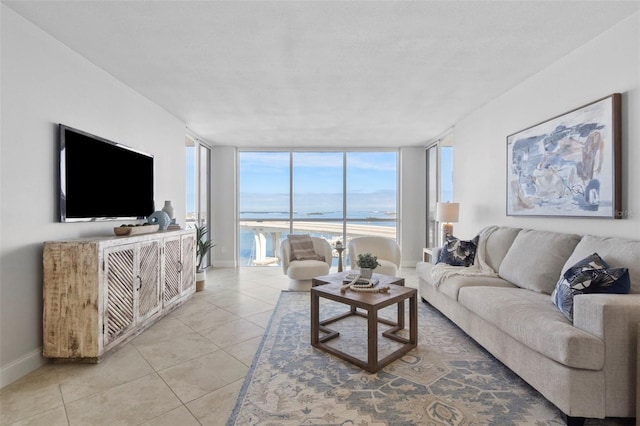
(172,269)
(148,277)
(188,247)
(119,288)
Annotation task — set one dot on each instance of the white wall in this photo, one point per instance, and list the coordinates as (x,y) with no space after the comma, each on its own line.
(45,83)
(412,221)
(608,64)
(224,206)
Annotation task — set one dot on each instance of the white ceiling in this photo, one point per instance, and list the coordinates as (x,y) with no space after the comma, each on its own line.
(330,74)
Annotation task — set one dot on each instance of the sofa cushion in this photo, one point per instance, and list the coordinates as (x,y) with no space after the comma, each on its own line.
(589,275)
(534,321)
(617,252)
(451,286)
(457,252)
(536,258)
(498,244)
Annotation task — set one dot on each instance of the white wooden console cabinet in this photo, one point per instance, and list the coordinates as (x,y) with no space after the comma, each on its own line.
(101,292)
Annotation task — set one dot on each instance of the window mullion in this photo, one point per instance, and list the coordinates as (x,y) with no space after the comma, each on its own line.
(291,192)
(344,196)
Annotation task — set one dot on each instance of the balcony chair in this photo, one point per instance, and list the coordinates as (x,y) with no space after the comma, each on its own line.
(384,248)
(301,271)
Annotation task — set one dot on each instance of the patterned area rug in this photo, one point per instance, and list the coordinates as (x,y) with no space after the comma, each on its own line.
(447,380)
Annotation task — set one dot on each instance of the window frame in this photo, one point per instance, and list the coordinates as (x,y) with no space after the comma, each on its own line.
(202,158)
(433,233)
(345,219)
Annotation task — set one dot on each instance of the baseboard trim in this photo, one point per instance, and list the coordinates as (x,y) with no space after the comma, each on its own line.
(21,367)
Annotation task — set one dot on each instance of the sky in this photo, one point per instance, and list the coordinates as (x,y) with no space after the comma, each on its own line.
(319,172)
(371,184)
(318,181)
(446,174)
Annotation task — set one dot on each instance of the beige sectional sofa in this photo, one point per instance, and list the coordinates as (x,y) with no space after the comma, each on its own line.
(586,368)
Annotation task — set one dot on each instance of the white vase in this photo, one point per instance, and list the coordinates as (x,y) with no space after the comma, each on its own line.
(168,209)
(366,273)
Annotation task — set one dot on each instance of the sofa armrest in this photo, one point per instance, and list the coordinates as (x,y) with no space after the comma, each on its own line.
(435,254)
(614,318)
(601,314)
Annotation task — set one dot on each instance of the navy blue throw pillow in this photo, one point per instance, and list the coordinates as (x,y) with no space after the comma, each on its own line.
(456,252)
(590,275)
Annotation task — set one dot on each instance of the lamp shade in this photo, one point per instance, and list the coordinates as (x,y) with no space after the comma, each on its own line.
(447,212)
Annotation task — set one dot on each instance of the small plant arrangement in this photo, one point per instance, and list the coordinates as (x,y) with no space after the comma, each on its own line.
(203,245)
(367,260)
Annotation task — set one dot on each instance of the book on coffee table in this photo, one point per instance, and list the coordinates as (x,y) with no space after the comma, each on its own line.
(350,277)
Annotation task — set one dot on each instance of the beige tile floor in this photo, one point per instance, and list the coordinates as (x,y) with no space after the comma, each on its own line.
(187,369)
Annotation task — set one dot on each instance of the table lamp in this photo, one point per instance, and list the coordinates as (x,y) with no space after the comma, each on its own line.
(447,214)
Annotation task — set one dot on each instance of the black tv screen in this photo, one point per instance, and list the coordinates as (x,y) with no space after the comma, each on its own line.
(102,180)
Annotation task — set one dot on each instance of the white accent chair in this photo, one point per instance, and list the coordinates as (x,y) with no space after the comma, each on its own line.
(384,248)
(300,272)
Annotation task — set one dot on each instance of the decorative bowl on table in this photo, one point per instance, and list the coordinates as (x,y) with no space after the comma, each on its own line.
(135,229)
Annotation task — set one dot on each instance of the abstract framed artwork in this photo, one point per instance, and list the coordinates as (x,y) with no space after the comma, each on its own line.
(568,165)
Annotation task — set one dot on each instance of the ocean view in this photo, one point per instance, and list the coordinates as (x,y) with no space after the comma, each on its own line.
(319,187)
(327,225)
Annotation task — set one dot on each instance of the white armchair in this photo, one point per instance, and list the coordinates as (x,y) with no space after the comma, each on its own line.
(384,248)
(300,272)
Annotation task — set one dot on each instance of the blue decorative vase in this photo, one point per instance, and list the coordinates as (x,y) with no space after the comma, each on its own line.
(160,218)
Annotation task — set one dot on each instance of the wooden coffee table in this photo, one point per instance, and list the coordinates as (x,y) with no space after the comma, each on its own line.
(383,280)
(371,303)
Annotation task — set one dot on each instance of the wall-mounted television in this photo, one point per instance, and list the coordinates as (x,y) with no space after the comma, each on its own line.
(101,179)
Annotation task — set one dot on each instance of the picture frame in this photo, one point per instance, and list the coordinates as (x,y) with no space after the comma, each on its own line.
(569,165)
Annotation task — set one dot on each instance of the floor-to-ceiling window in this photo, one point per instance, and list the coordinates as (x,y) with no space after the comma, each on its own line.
(439,166)
(372,194)
(264,205)
(198,165)
(318,194)
(191,215)
(337,195)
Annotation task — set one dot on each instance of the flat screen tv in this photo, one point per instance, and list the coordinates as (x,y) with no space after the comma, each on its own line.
(102,180)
